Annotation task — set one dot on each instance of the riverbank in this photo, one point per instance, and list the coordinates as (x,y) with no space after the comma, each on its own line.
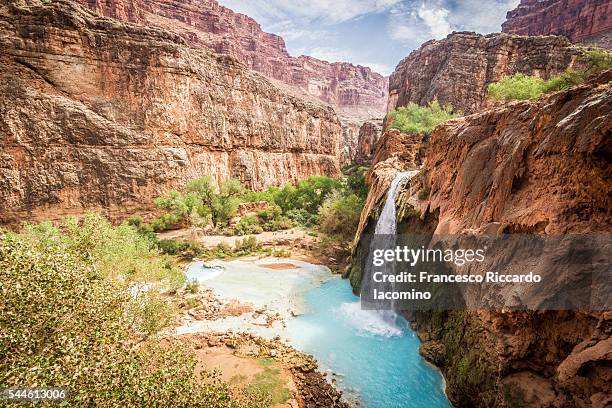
(243,359)
(370,357)
(303,245)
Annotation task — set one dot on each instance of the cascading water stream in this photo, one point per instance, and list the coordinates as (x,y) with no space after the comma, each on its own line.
(386,228)
(387,222)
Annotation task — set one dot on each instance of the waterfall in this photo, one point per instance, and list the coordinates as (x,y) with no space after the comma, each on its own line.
(387,223)
(385,234)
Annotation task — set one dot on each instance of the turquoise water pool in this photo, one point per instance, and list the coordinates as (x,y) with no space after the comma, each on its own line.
(376,353)
(373,355)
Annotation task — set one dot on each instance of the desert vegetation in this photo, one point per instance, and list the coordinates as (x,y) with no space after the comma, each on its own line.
(413,118)
(82,308)
(529,87)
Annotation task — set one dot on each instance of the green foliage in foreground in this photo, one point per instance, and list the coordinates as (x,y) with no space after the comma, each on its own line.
(528,87)
(63,325)
(413,118)
(117,252)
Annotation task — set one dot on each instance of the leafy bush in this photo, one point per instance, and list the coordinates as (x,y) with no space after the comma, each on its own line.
(413,118)
(339,215)
(64,326)
(247,244)
(248,225)
(356,181)
(517,86)
(307,195)
(119,252)
(192,287)
(424,193)
(166,222)
(523,87)
(302,217)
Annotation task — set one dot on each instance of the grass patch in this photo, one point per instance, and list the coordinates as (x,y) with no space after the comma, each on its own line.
(270,382)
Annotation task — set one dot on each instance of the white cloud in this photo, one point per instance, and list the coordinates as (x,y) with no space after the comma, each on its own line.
(326,54)
(413,22)
(268,11)
(436,20)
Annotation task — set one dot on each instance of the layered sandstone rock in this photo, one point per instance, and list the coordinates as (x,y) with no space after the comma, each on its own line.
(205,23)
(457,69)
(584,21)
(528,167)
(369,134)
(102,115)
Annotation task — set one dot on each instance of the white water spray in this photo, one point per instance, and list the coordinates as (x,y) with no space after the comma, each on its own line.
(387,223)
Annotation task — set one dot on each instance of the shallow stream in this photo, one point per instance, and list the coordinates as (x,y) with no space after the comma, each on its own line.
(372,355)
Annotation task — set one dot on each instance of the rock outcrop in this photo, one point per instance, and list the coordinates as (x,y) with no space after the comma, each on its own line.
(527,167)
(583,21)
(97,114)
(369,134)
(205,23)
(457,69)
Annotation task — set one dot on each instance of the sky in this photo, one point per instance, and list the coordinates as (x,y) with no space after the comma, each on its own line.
(374,33)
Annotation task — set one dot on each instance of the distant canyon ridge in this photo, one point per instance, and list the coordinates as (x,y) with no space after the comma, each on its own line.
(355,90)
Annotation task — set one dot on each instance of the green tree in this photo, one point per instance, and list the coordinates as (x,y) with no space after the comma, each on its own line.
(222,205)
(413,118)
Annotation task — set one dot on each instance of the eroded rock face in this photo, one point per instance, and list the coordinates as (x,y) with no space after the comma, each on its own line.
(355,89)
(529,167)
(457,69)
(369,134)
(584,21)
(101,115)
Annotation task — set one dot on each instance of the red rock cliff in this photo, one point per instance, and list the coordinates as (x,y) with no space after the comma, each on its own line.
(101,115)
(457,69)
(528,167)
(206,23)
(585,21)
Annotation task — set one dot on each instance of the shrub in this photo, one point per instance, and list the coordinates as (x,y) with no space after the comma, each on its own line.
(413,118)
(424,193)
(517,86)
(307,195)
(192,287)
(302,217)
(248,225)
(166,222)
(115,252)
(356,181)
(522,87)
(247,244)
(339,215)
(64,326)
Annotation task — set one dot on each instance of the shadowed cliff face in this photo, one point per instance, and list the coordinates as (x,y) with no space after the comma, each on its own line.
(527,167)
(98,114)
(458,69)
(584,21)
(356,90)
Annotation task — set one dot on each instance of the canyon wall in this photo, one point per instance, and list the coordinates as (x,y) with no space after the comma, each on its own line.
(529,167)
(538,167)
(101,115)
(457,69)
(369,134)
(581,21)
(355,89)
